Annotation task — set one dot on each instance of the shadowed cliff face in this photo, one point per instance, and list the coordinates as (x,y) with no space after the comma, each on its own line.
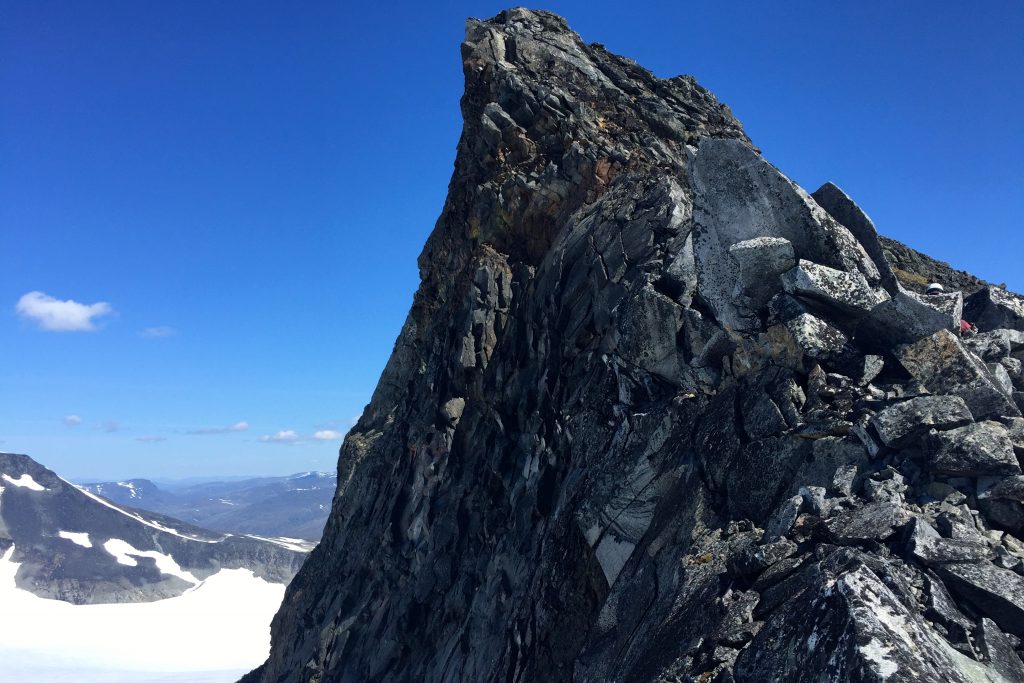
(658,414)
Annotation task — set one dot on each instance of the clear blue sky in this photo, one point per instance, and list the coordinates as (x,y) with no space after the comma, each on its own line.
(247,186)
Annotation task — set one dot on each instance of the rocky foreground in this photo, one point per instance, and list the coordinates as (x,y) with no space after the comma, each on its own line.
(658,414)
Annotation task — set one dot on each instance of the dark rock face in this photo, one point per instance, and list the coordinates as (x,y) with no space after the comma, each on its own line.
(633,431)
(75,546)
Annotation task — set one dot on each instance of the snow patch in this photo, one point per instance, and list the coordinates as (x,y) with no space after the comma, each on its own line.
(125,554)
(76,537)
(222,624)
(25,481)
(297,544)
(132,491)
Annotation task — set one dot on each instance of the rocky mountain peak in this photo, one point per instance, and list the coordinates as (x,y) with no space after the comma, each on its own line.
(658,413)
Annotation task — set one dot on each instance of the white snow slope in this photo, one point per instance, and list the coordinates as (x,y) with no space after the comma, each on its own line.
(214,632)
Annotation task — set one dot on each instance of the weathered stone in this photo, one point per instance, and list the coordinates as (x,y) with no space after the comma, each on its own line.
(752,559)
(942,364)
(1001,377)
(998,652)
(647,330)
(996,593)
(852,626)
(995,345)
(905,318)
(907,421)
(738,197)
(847,293)
(993,308)
(1015,430)
(977,450)
(1003,503)
(932,549)
(874,521)
(761,260)
(839,205)
(842,481)
(781,520)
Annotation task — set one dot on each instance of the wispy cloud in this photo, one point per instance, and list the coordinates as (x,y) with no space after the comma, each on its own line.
(110,426)
(55,315)
(327,435)
(157,332)
(151,439)
(207,431)
(72,420)
(284,436)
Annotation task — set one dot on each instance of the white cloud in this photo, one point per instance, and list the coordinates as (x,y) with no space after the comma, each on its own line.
(55,315)
(327,435)
(207,431)
(284,436)
(72,420)
(110,426)
(157,332)
(151,439)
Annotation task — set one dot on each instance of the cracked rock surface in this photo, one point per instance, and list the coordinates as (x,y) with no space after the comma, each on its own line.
(659,414)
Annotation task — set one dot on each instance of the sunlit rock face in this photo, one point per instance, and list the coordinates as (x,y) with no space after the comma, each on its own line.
(648,419)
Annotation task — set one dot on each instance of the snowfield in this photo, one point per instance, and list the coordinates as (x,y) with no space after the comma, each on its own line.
(76,537)
(25,481)
(214,632)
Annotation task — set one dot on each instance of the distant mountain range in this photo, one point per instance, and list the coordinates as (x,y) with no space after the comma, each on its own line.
(295,506)
(86,581)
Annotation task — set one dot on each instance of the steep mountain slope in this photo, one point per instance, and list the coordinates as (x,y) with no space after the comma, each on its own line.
(658,414)
(295,506)
(74,546)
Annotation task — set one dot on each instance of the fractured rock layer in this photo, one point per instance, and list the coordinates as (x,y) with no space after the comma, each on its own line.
(659,414)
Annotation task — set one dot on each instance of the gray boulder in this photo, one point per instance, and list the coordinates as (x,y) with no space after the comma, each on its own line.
(995,592)
(904,422)
(995,345)
(739,196)
(993,308)
(847,293)
(1003,503)
(839,205)
(942,364)
(977,450)
(761,260)
(904,319)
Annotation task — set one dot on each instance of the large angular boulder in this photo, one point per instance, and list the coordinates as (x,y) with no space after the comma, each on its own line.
(847,293)
(1003,503)
(904,422)
(761,260)
(839,205)
(907,317)
(993,308)
(942,364)
(995,345)
(739,196)
(977,450)
(995,592)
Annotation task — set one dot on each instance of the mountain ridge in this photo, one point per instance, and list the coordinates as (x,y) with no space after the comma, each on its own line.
(75,546)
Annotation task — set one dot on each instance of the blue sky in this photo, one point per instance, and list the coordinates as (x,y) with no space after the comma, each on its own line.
(246,186)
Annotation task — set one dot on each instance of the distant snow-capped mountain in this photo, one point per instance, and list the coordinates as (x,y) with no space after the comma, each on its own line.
(85,581)
(295,506)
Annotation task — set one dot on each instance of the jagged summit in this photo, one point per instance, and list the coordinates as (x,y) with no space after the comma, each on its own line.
(659,414)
